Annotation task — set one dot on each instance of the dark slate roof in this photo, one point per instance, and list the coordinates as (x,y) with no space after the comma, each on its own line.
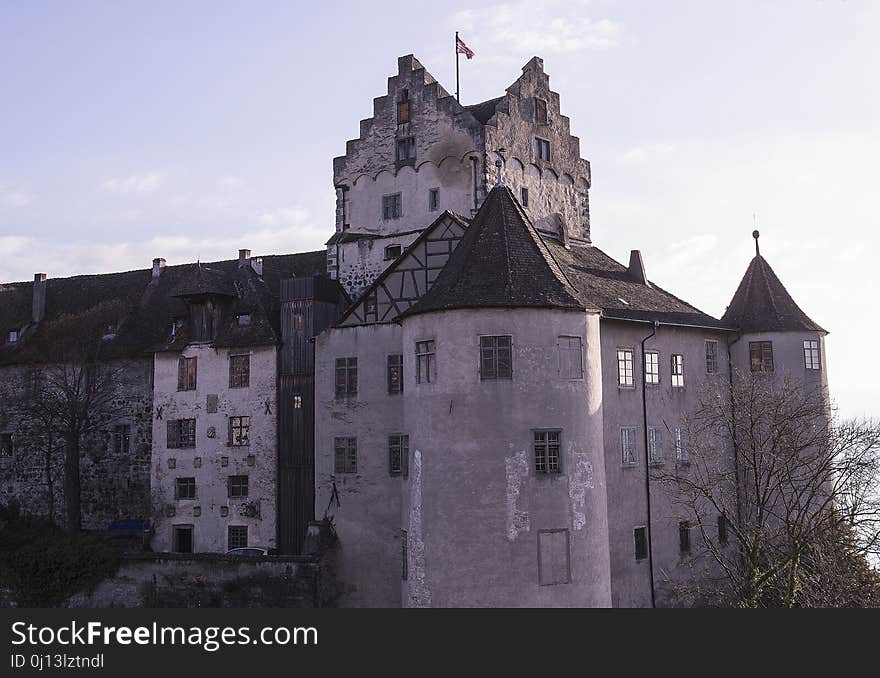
(501,261)
(762,304)
(604,283)
(484,110)
(144,312)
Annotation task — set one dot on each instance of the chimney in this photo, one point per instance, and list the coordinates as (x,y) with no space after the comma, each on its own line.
(158,265)
(38,309)
(257,265)
(244,257)
(637,267)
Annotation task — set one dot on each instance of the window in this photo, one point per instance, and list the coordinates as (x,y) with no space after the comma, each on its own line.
(811,354)
(110,331)
(395,374)
(239,371)
(546,444)
(640,537)
(12,336)
(186,374)
(181,433)
(392,252)
(684,537)
(297,402)
(182,538)
(239,431)
(624,367)
(426,369)
(346,377)
(628,446)
(761,356)
(677,370)
(237,486)
(185,488)
(655,449)
(121,439)
(652,367)
(345,455)
(406,149)
(571,357)
(398,450)
(7,446)
(542,149)
(404,556)
(434,199)
(495,358)
(540,111)
(237,537)
(681,451)
(722,529)
(391,206)
(524,196)
(244,319)
(403,107)
(711,357)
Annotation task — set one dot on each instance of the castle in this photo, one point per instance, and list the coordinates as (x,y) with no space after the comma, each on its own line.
(475,393)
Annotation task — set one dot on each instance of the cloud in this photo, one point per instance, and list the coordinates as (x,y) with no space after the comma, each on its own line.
(277,231)
(134,184)
(13,196)
(535,26)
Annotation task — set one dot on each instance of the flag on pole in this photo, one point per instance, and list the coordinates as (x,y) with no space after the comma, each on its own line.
(461,48)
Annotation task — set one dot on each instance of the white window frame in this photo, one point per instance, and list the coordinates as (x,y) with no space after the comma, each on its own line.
(714,344)
(625,368)
(812,355)
(652,371)
(682,455)
(655,446)
(677,370)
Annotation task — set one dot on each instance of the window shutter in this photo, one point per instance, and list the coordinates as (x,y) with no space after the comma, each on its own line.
(404,459)
(172,441)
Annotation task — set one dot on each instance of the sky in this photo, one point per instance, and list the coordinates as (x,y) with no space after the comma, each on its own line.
(188,130)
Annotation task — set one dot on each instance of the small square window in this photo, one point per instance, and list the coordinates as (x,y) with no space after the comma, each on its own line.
(237,487)
(345,455)
(406,149)
(239,431)
(121,439)
(181,433)
(12,337)
(185,488)
(392,252)
(426,370)
(244,319)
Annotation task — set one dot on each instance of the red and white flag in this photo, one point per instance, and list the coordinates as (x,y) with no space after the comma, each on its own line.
(461,48)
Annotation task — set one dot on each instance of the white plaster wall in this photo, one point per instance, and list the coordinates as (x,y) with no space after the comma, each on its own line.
(473,505)
(258,460)
(367,518)
(668,408)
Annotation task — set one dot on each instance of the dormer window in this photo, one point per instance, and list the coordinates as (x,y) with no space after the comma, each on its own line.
(403,108)
(110,331)
(244,319)
(392,252)
(12,337)
(540,111)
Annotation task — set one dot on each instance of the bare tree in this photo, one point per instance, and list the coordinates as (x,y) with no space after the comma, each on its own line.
(784,496)
(73,392)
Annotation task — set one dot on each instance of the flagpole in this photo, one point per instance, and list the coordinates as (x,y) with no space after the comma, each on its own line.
(457,88)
